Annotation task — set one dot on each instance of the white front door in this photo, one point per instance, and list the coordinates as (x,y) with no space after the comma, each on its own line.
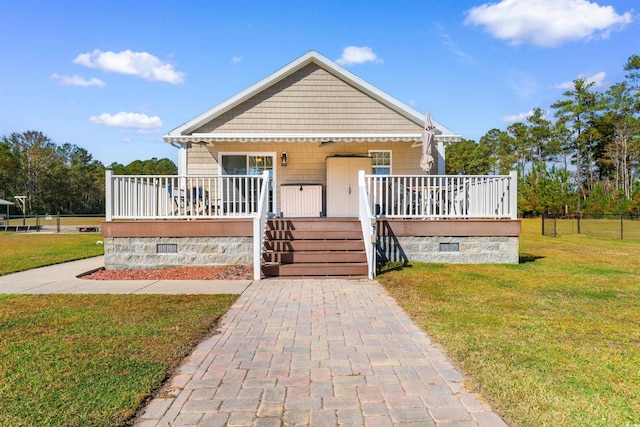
(342,184)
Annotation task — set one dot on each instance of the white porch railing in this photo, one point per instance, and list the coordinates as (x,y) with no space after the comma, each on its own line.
(260,226)
(174,197)
(368,224)
(443,196)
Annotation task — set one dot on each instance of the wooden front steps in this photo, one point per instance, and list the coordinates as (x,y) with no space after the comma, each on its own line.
(314,247)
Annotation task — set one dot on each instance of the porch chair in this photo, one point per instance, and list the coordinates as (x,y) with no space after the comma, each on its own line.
(406,201)
(178,199)
(459,202)
(200,199)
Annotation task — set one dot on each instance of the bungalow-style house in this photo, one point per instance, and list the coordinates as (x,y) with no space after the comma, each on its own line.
(310,172)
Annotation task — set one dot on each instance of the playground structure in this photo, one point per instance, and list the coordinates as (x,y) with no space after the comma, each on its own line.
(19,201)
(45,223)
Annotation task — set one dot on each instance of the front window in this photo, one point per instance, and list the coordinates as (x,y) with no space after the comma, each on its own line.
(234,165)
(380,162)
(242,164)
(259,164)
(249,164)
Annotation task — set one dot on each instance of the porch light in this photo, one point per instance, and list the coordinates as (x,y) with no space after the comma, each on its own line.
(283,158)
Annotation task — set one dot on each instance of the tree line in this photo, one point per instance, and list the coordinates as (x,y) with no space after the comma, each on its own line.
(586,160)
(63,178)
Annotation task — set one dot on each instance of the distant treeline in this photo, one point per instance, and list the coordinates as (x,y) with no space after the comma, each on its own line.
(61,178)
(586,160)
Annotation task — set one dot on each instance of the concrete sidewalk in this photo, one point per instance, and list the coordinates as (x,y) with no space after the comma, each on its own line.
(61,279)
(317,353)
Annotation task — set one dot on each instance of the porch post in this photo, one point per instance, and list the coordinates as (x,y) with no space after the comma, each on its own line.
(441,158)
(513,194)
(182,159)
(108,203)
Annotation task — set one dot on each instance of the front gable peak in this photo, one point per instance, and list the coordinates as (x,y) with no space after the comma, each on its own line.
(310,96)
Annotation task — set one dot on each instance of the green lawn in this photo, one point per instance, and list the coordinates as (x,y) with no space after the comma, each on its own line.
(20,251)
(552,341)
(92,360)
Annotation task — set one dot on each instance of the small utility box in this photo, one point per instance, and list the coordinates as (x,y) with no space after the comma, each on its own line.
(301,200)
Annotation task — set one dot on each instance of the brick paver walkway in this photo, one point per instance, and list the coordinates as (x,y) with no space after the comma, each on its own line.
(319,353)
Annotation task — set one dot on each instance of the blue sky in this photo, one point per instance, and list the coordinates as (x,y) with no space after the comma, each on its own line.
(114,76)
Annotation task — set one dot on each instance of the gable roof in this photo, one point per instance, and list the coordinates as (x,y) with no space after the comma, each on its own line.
(191,131)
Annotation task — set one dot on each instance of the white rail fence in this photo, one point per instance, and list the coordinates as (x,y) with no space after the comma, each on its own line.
(172,196)
(443,196)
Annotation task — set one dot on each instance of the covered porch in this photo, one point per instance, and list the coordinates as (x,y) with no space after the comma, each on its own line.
(211,220)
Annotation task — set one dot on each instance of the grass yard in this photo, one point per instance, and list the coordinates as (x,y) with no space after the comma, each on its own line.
(552,341)
(92,360)
(19,251)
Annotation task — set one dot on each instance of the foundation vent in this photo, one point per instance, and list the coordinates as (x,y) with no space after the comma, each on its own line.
(449,247)
(166,248)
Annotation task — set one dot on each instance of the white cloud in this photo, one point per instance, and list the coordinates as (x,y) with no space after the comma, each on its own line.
(147,132)
(357,55)
(76,80)
(236,59)
(522,83)
(520,117)
(597,80)
(547,22)
(127,120)
(141,64)
(447,42)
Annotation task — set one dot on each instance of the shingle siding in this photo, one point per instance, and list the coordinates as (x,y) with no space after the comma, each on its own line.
(310,100)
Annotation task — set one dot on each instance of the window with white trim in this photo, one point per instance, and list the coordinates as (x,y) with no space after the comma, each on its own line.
(380,162)
(250,164)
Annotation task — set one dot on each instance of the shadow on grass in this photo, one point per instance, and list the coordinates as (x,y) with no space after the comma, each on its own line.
(525,258)
(386,267)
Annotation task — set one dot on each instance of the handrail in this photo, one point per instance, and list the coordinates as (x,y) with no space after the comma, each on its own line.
(367,223)
(260,227)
